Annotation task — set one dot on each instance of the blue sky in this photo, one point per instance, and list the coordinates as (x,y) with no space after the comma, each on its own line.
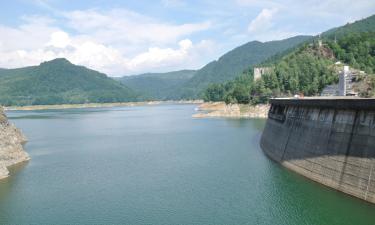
(131,37)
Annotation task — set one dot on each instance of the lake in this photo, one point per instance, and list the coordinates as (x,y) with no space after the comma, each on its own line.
(158,165)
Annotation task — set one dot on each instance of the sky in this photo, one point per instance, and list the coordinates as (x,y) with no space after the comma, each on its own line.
(123,38)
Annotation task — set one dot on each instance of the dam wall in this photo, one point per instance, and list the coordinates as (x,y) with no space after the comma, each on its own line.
(331,141)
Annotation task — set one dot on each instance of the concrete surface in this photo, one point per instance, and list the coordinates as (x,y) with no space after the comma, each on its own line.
(331,141)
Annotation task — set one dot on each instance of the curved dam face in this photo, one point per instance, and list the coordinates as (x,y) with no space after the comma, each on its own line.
(331,141)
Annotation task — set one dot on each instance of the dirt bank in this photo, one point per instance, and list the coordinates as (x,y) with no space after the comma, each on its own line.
(220,109)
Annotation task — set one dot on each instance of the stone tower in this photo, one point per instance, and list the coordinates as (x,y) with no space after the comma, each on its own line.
(259,71)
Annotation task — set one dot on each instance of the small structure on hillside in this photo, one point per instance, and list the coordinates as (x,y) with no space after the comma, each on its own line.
(259,71)
(346,78)
(320,42)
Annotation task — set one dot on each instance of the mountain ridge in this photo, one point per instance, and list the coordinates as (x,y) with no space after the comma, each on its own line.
(363,25)
(157,86)
(59,82)
(226,67)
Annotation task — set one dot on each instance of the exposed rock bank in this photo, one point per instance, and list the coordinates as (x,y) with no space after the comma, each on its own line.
(11,149)
(220,109)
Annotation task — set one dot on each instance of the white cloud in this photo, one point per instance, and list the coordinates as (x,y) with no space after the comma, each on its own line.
(120,25)
(263,21)
(117,42)
(260,3)
(316,9)
(157,57)
(121,42)
(108,59)
(308,17)
(262,27)
(33,33)
(59,39)
(173,3)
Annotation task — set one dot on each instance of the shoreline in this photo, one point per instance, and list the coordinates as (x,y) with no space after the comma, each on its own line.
(203,110)
(4,170)
(223,110)
(96,105)
(12,142)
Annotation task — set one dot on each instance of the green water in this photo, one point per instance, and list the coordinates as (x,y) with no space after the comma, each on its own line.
(157,165)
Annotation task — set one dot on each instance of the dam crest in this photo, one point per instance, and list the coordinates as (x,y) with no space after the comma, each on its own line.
(328,140)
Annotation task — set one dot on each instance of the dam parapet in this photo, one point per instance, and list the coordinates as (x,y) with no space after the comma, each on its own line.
(329,140)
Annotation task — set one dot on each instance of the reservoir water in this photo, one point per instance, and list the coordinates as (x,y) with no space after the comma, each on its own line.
(158,165)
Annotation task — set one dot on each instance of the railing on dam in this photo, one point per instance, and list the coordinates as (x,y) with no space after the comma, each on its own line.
(327,102)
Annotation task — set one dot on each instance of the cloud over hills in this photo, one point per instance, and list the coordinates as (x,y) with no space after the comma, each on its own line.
(127,38)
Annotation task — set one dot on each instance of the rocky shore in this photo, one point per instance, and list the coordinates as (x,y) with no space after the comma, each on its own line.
(11,145)
(220,109)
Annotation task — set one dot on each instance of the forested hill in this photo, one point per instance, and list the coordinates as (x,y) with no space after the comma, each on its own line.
(366,25)
(59,82)
(233,63)
(158,86)
(360,26)
(308,68)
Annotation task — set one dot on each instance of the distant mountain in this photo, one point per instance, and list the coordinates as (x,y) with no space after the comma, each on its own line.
(58,82)
(233,63)
(364,25)
(157,86)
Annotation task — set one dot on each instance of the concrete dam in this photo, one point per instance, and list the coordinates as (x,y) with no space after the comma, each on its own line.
(331,141)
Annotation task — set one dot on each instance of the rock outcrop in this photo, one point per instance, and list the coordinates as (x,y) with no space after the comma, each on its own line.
(11,145)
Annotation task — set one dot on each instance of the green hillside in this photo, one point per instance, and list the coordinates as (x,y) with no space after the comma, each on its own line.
(158,86)
(308,68)
(233,63)
(357,50)
(59,82)
(346,33)
(303,71)
(364,25)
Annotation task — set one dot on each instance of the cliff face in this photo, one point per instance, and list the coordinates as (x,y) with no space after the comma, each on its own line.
(331,142)
(11,149)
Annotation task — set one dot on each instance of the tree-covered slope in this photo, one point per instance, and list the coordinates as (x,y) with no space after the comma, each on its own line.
(360,26)
(59,82)
(357,50)
(158,86)
(233,63)
(307,70)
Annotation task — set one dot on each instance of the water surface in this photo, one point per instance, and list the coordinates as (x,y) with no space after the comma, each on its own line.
(157,165)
